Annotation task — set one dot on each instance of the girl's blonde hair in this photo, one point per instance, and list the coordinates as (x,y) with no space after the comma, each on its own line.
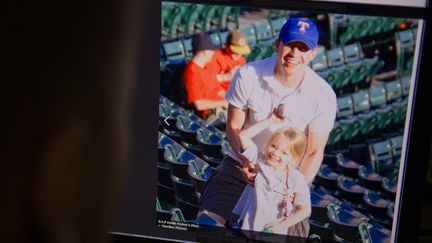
(297,142)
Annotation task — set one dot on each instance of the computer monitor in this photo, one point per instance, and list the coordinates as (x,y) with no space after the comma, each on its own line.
(372,57)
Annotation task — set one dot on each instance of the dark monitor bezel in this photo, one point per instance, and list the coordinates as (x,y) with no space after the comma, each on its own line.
(137,215)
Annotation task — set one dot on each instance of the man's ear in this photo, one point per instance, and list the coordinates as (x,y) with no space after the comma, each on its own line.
(277,43)
(314,53)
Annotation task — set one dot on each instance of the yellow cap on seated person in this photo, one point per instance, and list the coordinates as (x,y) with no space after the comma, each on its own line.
(237,42)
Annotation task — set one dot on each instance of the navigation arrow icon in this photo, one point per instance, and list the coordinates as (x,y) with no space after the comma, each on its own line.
(165,120)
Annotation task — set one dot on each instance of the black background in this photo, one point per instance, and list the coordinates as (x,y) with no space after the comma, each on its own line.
(137,215)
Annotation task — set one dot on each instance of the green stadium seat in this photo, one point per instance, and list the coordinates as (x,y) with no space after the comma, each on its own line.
(263,33)
(374,65)
(385,116)
(249,32)
(377,25)
(228,16)
(338,23)
(174,214)
(210,18)
(319,63)
(276,25)
(396,145)
(368,122)
(177,27)
(399,110)
(390,24)
(393,91)
(382,158)
(405,44)
(344,107)
(339,75)
(169,13)
(187,44)
(335,134)
(363,24)
(174,52)
(216,39)
(192,19)
(405,85)
(350,127)
(361,102)
(377,95)
(353,56)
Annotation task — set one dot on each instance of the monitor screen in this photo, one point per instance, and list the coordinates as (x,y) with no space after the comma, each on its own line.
(235,78)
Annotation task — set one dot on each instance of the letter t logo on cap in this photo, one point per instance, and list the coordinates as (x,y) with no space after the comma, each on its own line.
(303,26)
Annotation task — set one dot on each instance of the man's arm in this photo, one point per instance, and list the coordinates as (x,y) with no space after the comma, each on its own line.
(314,155)
(235,122)
(210,104)
(246,135)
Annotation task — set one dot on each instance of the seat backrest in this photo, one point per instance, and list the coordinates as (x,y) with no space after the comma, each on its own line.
(344,107)
(174,51)
(361,101)
(320,61)
(377,95)
(393,91)
(405,40)
(353,52)
(396,145)
(187,44)
(381,151)
(263,32)
(405,85)
(276,26)
(335,57)
(249,32)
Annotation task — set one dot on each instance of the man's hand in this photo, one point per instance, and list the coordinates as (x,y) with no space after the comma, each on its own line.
(249,172)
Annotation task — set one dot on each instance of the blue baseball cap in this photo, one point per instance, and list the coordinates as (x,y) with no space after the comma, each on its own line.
(299,29)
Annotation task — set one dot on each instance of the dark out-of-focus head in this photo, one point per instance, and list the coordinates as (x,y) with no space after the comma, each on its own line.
(69,77)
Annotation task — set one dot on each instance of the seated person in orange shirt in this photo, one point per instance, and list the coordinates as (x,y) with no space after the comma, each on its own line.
(227,60)
(202,88)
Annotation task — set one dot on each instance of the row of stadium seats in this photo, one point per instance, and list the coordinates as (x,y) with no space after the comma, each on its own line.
(375,97)
(362,114)
(335,220)
(378,175)
(346,65)
(383,159)
(181,176)
(346,29)
(259,37)
(183,19)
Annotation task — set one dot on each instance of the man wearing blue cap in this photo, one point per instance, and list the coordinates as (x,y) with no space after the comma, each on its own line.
(283,85)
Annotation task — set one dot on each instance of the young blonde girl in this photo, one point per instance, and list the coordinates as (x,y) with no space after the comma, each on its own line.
(267,206)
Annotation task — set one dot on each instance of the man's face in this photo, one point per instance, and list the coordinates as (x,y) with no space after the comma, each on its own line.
(233,55)
(294,56)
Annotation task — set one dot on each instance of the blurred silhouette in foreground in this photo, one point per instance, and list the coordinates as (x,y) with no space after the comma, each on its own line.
(69,77)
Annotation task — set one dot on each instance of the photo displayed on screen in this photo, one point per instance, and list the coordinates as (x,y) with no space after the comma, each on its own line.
(280,122)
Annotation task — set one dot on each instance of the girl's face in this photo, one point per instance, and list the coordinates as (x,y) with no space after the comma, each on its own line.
(277,151)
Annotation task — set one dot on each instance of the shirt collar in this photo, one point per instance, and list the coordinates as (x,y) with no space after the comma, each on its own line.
(269,77)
